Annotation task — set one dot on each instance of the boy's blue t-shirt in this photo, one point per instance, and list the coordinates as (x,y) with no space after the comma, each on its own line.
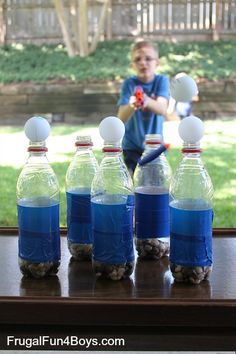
(142,122)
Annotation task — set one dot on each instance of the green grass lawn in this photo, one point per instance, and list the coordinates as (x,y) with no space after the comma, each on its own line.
(29,63)
(219,145)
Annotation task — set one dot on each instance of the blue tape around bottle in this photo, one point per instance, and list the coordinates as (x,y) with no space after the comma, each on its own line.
(39,233)
(79,222)
(113,232)
(191,237)
(152,215)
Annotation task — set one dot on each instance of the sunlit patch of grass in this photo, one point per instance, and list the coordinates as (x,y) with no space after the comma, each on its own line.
(10,129)
(8,214)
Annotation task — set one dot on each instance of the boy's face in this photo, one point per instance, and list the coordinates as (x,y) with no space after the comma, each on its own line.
(145,62)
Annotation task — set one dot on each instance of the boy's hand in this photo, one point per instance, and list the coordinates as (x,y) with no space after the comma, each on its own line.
(136,104)
(139,99)
(133,103)
(146,101)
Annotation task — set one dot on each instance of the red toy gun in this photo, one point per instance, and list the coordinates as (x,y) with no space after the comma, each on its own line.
(138,93)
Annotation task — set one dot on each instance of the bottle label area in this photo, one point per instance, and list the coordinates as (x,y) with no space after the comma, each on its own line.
(79,218)
(113,232)
(191,237)
(152,215)
(39,233)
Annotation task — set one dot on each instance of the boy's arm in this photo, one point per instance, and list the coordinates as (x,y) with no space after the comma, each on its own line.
(158,105)
(125,112)
(126,109)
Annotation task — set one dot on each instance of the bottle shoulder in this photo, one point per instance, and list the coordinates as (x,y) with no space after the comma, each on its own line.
(191,168)
(34,170)
(156,173)
(112,177)
(81,172)
(37,181)
(83,162)
(191,181)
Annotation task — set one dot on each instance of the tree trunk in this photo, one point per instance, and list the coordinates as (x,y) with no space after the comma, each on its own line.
(109,20)
(216,26)
(100,26)
(83,28)
(2,22)
(75,23)
(65,32)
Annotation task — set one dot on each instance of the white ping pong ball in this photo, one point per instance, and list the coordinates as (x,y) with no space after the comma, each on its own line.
(183,88)
(37,129)
(112,129)
(191,129)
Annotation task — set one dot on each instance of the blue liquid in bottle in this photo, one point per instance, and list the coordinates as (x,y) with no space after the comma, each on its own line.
(79,217)
(152,215)
(113,231)
(191,236)
(39,234)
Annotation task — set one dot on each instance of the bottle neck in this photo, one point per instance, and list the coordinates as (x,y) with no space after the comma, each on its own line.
(112,149)
(84,150)
(191,149)
(37,152)
(152,141)
(82,146)
(37,147)
(151,145)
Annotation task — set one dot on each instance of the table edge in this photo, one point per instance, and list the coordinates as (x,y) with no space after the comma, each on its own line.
(13,231)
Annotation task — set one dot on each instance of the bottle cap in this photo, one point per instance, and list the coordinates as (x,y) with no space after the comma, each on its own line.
(153,139)
(83,140)
(112,147)
(37,147)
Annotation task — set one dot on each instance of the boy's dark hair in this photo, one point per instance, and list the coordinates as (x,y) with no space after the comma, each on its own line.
(143,44)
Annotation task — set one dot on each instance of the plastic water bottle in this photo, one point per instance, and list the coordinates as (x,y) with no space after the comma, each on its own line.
(191,211)
(112,199)
(152,216)
(38,207)
(79,177)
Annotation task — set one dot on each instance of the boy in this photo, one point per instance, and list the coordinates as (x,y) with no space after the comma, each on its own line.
(144,116)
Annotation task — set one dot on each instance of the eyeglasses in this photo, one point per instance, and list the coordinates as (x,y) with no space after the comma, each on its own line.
(146,59)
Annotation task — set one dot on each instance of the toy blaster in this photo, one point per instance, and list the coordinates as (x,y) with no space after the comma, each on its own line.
(138,93)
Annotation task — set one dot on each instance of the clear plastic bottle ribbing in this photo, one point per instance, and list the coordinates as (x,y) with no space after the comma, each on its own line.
(191,216)
(151,183)
(112,200)
(38,215)
(79,178)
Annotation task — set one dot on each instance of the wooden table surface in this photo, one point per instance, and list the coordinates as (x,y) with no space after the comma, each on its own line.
(149,305)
